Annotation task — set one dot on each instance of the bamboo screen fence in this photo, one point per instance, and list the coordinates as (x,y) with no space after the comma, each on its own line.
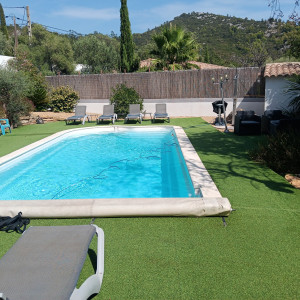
(167,85)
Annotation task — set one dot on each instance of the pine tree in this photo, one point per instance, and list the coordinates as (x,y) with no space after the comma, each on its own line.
(3,27)
(127,46)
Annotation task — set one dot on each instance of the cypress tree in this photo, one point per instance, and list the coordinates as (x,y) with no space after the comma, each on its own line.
(206,55)
(127,46)
(3,27)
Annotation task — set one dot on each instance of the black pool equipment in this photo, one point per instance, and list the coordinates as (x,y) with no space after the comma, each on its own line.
(218,108)
(16,223)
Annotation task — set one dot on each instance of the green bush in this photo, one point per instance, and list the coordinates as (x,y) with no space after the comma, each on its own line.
(39,95)
(122,96)
(280,152)
(14,88)
(63,99)
(38,92)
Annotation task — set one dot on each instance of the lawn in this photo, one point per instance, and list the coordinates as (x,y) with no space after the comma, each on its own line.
(256,256)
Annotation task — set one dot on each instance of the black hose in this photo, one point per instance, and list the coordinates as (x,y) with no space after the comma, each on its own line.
(16,223)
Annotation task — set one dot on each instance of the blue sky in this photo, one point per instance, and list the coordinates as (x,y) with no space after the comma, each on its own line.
(103,16)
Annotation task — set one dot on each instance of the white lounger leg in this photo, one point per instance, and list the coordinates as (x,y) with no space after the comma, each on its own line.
(92,285)
(2,296)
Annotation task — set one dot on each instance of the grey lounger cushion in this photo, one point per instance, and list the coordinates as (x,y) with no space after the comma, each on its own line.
(134,113)
(161,112)
(108,113)
(45,263)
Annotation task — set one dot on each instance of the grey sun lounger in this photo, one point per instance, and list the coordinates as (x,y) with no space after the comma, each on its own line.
(134,113)
(108,114)
(46,261)
(161,112)
(80,114)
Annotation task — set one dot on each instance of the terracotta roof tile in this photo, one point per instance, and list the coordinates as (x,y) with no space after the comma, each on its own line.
(282,69)
(202,65)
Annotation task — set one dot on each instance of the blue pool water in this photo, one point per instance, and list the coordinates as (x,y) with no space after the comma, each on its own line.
(123,164)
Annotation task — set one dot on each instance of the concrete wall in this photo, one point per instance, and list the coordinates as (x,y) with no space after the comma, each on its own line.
(274,95)
(192,107)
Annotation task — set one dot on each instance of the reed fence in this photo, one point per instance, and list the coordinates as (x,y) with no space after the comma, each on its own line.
(167,85)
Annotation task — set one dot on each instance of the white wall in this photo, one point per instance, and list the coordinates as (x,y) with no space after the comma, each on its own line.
(4,60)
(275,96)
(193,107)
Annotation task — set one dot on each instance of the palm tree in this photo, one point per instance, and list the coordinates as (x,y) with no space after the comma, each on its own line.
(174,45)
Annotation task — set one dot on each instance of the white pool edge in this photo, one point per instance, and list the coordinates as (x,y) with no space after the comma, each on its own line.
(210,204)
(198,173)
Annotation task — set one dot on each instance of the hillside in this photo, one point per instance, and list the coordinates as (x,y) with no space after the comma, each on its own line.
(223,40)
(225,37)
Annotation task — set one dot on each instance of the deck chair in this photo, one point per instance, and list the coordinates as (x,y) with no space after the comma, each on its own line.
(134,113)
(108,114)
(161,112)
(80,114)
(4,125)
(46,261)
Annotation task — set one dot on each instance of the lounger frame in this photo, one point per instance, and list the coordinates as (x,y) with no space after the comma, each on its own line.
(161,112)
(92,285)
(80,114)
(108,114)
(134,113)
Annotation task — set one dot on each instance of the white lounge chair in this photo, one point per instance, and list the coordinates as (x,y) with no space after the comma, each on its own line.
(134,113)
(161,112)
(108,114)
(46,261)
(80,114)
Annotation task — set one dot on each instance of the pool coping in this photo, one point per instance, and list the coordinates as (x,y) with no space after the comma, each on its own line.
(199,175)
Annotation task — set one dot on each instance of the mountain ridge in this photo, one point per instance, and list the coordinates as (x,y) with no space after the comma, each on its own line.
(224,36)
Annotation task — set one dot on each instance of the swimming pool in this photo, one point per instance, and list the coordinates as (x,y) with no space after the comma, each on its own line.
(111,166)
(118,164)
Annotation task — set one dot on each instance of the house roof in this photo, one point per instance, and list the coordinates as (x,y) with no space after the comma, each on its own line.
(201,65)
(282,69)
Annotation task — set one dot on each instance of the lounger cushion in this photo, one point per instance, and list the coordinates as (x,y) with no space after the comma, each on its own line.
(133,116)
(75,118)
(160,115)
(106,116)
(45,262)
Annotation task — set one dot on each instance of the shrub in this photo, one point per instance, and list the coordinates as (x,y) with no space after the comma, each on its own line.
(280,152)
(122,96)
(39,95)
(14,88)
(38,92)
(63,99)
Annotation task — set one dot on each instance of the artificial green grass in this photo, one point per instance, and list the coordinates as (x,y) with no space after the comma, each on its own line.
(254,257)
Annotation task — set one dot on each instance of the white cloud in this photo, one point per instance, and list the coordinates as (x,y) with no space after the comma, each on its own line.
(89,13)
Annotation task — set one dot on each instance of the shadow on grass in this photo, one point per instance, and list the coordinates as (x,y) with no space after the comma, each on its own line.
(160,121)
(93,258)
(226,155)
